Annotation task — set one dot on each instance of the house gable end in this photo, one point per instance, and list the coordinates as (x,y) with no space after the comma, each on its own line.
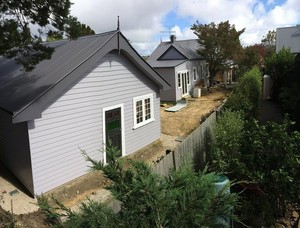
(116,42)
(172,54)
(33,110)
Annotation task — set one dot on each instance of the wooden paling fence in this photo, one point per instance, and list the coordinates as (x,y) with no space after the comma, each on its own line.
(192,149)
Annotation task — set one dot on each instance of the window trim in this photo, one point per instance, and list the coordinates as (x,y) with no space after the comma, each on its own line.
(144,121)
(179,80)
(122,128)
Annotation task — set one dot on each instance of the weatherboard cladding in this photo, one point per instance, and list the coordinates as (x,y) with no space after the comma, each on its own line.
(288,37)
(74,121)
(26,92)
(31,104)
(22,87)
(172,57)
(169,94)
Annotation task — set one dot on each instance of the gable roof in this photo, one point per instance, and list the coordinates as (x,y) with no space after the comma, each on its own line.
(26,92)
(288,37)
(161,56)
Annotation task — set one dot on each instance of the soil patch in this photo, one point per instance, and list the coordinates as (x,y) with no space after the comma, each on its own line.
(173,125)
(183,122)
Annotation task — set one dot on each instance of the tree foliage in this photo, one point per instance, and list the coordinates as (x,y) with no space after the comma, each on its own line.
(150,200)
(278,66)
(226,152)
(251,57)
(269,42)
(19,17)
(182,199)
(246,95)
(75,29)
(72,30)
(219,44)
(266,154)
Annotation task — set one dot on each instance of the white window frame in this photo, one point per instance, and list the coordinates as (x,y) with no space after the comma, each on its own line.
(188,77)
(195,74)
(179,80)
(144,121)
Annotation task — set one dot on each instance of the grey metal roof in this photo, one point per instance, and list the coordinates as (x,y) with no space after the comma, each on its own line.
(188,48)
(19,90)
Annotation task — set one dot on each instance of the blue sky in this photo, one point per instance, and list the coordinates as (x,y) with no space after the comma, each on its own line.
(146,22)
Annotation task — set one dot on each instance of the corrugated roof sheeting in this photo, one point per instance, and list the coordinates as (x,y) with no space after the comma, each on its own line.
(20,87)
(188,48)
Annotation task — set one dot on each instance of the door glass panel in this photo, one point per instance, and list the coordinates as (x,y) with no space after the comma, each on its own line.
(113,125)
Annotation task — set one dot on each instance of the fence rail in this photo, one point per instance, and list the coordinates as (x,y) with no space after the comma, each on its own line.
(193,149)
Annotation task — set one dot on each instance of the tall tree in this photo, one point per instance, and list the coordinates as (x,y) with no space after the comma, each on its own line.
(54,35)
(220,44)
(269,42)
(16,38)
(269,39)
(75,29)
(253,56)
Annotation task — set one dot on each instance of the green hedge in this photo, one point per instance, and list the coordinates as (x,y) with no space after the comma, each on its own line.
(246,95)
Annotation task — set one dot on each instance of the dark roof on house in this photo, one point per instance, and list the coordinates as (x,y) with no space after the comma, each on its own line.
(20,90)
(186,49)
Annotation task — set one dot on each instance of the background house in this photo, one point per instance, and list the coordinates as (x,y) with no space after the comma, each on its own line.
(288,37)
(180,65)
(93,89)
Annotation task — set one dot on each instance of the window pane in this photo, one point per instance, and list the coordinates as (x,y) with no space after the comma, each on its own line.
(179,80)
(139,111)
(147,109)
(113,125)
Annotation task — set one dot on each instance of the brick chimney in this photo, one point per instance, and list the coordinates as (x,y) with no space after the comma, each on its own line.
(173,38)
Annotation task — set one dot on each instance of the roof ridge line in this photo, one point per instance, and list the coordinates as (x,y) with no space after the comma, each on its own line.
(51,87)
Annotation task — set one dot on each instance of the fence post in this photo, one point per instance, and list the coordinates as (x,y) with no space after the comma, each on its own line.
(174,160)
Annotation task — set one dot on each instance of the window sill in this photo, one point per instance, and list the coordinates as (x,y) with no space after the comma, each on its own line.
(143,124)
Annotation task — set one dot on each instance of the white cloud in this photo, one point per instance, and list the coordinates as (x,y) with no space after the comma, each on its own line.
(142,21)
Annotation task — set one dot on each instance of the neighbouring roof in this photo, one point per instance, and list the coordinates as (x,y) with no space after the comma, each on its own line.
(20,91)
(171,54)
(288,37)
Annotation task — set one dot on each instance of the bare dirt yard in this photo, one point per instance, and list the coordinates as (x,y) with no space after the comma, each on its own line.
(173,125)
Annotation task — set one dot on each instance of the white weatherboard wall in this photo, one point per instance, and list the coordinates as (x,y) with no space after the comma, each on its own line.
(74,121)
(187,66)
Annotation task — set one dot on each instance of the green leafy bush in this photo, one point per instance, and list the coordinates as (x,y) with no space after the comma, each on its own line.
(278,66)
(289,99)
(227,140)
(246,95)
(266,154)
(182,199)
